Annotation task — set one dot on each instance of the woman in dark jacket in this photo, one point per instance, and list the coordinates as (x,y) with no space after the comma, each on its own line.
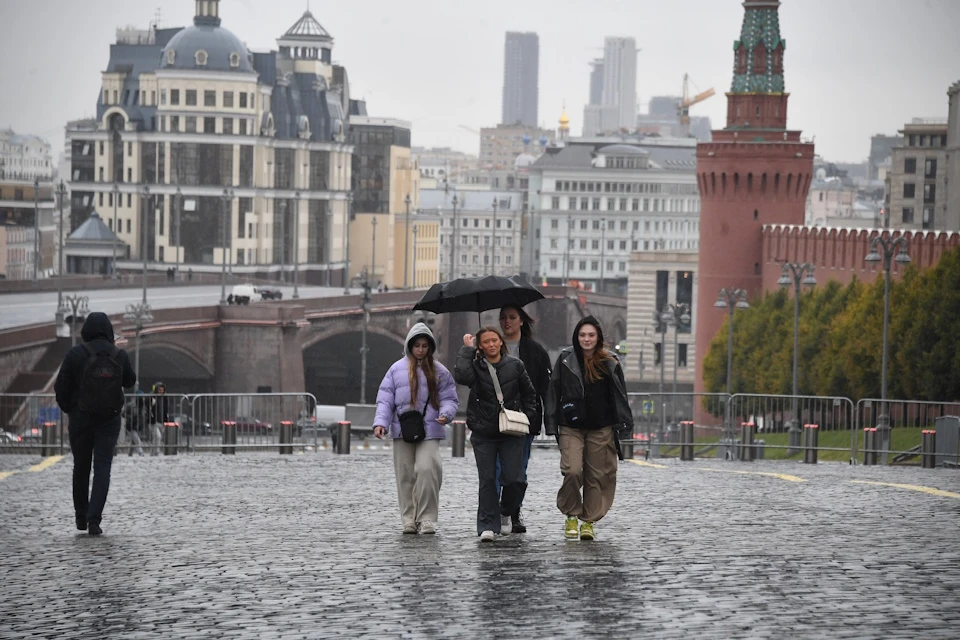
(587,408)
(483,419)
(517,328)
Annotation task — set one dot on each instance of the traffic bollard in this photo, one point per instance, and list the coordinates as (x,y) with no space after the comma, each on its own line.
(686,441)
(928,449)
(342,442)
(811,438)
(626,447)
(746,442)
(48,439)
(459,441)
(229,437)
(286,437)
(869,446)
(171,431)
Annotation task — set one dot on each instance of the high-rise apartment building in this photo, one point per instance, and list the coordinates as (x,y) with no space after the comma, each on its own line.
(620,79)
(521,79)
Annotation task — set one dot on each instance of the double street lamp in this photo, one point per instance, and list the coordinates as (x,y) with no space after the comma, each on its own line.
(675,315)
(731,299)
(454,234)
(115,192)
(61,194)
(365,309)
(147,210)
(138,314)
(226,200)
(77,306)
(796,274)
(406,242)
(888,250)
(493,240)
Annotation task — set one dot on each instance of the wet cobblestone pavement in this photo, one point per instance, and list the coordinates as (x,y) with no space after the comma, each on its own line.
(309,546)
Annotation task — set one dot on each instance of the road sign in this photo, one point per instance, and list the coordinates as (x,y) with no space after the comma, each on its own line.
(648,407)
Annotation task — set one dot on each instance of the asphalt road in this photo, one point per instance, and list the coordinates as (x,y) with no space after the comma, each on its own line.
(17,309)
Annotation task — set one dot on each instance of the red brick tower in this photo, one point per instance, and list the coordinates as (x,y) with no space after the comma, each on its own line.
(755,172)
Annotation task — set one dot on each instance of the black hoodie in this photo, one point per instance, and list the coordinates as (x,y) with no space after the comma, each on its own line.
(98,330)
(567,388)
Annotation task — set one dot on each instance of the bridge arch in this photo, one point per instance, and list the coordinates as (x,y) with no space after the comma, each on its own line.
(332,363)
(181,370)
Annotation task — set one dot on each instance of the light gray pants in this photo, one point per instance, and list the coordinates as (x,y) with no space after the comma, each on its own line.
(157,432)
(419,472)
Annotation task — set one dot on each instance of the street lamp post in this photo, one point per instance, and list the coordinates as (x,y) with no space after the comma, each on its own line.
(225,200)
(146,210)
(414,256)
(406,242)
(346,268)
(534,267)
(36,230)
(61,194)
(888,246)
(453,239)
(178,208)
(566,251)
(731,299)
(138,314)
(493,239)
(796,274)
(283,241)
(116,201)
(603,249)
(78,305)
(296,247)
(365,308)
(372,273)
(676,315)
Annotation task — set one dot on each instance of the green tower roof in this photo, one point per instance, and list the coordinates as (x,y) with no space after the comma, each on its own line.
(761,25)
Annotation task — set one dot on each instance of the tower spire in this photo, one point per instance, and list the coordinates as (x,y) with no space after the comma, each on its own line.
(207,13)
(758,97)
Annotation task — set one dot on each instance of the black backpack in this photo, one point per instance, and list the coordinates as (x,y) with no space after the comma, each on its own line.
(100,392)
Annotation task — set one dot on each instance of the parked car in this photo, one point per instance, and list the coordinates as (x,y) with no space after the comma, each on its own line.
(270,293)
(247,424)
(7,438)
(243,294)
(186,422)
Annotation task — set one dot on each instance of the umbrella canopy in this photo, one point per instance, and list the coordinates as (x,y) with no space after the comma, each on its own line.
(478,294)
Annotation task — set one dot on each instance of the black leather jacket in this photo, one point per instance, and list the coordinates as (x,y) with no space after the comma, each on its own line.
(483,410)
(566,384)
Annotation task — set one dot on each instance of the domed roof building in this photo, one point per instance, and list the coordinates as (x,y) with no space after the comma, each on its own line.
(206,45)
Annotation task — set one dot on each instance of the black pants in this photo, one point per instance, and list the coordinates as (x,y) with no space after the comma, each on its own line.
(92,441)
(508,451)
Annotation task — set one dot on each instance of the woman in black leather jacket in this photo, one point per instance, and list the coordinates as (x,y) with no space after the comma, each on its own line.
(483,419)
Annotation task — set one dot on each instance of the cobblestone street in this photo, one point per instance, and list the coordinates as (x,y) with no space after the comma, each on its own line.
(267,546)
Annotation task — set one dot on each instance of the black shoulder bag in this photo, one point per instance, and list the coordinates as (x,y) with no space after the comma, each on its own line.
(412,425)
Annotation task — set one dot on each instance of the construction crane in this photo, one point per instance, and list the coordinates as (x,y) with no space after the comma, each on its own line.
(683,107)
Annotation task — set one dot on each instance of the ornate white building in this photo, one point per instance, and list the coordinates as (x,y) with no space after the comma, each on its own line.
(220,152)
(24,157)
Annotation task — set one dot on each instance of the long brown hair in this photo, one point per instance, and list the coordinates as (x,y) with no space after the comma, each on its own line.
(429,372)
(593,365)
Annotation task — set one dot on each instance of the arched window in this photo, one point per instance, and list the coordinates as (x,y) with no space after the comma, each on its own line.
(201,58)
(778,59)
(234,60)
(741,59)
(760,59)
(171,56)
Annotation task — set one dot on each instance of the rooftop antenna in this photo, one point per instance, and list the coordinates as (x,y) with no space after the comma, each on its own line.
(157,18)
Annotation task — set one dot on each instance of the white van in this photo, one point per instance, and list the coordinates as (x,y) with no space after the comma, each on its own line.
(245,294)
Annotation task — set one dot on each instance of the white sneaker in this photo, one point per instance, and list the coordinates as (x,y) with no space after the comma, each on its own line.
(428,528)
(506,525)
(409,528)
(486,536)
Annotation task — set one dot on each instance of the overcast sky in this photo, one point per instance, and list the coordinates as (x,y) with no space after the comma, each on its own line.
(854,67)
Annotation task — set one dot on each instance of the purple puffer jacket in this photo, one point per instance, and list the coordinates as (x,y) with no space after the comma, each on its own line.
(393,398)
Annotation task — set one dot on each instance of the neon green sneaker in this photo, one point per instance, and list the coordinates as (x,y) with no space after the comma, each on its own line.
(586,531)
(570,530)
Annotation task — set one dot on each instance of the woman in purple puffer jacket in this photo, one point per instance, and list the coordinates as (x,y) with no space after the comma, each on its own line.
(417,465)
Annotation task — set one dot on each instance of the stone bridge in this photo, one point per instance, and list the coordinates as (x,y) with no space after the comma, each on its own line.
(293,345)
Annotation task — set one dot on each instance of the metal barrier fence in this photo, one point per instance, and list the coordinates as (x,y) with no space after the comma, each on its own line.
(779,421)
(658,420)
(899,425)
(243,421)
(32,423)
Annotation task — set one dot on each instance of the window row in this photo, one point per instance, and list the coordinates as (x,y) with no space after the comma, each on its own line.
(507,260)
(914,140)
(624,245)
(228,99)
(626,225)
(929,167)
(656,205)
(478,223)
(929,192)
(927,221)
(193,124)
(479,241)
(627,187)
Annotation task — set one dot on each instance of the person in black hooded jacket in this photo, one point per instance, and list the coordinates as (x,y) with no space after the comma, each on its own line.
(494,512)
(93,435)
(588,411)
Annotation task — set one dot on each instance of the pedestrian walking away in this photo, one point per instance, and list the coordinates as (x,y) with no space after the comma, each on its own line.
(517,326)
(587,410)
(132,421)
(475,369)
(89,390)
(417,398)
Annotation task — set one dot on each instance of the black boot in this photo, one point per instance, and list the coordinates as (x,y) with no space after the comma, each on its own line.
(94,529)
(81,523)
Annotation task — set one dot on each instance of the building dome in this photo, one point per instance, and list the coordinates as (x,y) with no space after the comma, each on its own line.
(206,46)
(564,120)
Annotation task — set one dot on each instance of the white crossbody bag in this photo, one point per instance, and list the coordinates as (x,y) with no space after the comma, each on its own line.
(512,423)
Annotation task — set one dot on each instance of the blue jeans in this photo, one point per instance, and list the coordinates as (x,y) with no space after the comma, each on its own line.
(527,446)
(92,442)
(491,453)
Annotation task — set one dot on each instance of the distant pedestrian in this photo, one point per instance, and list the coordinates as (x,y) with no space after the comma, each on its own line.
(475,368)
(587,409)
(190,275)
(132,423)
(517,326)
(417,398)
(159,416)
(89,389)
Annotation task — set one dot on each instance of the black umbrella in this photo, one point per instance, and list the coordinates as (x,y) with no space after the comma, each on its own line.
(478,294)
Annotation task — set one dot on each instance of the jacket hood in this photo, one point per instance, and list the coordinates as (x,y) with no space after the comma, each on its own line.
(576,332)
(416,331)
(97,325)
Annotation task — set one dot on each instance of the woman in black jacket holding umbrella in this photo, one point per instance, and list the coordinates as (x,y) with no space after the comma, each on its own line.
(483,418)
